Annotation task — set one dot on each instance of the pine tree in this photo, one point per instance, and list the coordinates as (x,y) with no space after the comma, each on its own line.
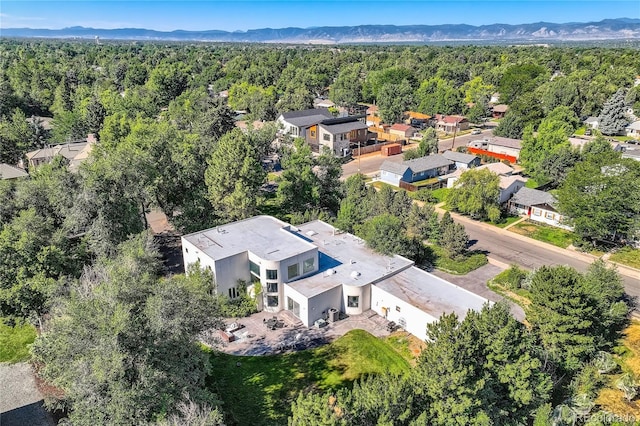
(612,118)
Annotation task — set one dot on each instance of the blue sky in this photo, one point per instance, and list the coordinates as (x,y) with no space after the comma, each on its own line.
(250,14)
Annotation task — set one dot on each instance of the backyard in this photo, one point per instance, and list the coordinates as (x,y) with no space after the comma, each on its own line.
(15,341)
(258,390)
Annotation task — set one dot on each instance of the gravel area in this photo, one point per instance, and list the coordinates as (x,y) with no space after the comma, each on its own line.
(20,400)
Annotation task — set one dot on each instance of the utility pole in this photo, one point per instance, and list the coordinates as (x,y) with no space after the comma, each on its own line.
(453,143)
(359,154)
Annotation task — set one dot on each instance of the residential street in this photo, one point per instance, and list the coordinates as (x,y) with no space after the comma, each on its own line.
(370,163)
(510,249)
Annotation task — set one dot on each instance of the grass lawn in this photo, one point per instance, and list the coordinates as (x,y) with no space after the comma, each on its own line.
(378,185)
(627,256)
(531,183)
(506,221)
(500,284)
(440,194)
(548,234)
(261,389)
(407,345)
(15,341)
(470,262)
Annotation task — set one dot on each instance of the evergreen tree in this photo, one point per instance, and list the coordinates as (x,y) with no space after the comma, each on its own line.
(612,117)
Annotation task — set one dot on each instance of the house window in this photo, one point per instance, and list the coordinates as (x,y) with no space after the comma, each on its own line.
(233,293)
(326,137)
(272,287)
(537,212)
(313,133)
(272,274)
(308,265)
(353,301)
(254,268)
(272,301)
(293,271)
(548,215)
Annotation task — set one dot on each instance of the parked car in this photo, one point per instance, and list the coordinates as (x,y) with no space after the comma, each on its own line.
(587,132)
(476,131)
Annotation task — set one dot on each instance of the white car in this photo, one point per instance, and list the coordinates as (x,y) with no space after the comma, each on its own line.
(476,131)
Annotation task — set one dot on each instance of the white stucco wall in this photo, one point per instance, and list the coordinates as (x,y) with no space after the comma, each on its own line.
(548,217)
(364,298)
(416,320)
(506,193)
(302,301)
(390,178)
(319,305)
(514,152)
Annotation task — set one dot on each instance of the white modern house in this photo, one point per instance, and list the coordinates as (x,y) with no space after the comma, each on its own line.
(313,269)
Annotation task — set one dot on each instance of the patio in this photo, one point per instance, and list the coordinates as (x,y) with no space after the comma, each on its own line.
(257,334)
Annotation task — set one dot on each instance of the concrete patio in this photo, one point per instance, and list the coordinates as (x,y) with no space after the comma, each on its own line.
(255,338)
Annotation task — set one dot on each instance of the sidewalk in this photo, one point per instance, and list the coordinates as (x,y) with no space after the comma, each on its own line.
(586,257)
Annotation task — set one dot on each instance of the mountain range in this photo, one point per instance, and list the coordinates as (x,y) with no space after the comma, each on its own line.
(608,29)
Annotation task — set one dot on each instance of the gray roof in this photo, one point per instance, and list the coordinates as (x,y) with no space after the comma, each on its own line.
(634,126)
(429,162)
(336,129)
(591,120)
(393,167)
(506,142)
(533,197)
(307,120)
(7,171)
(67,150)
(431,294)
(459,157)
(265,236)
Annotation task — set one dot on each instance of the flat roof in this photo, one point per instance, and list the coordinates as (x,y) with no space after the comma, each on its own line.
(265,236)
(431,294)
(344,259)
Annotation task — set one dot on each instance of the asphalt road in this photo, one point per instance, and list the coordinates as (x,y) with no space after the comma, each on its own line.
(507,249)
(370,163)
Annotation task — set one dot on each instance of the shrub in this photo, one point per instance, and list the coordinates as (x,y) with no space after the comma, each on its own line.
(512,278)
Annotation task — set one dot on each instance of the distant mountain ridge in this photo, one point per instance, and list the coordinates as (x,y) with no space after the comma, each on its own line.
(608,29)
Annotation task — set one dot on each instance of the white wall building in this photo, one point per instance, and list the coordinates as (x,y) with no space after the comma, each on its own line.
(313,268)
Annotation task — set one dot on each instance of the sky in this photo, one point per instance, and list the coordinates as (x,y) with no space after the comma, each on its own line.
(241,15)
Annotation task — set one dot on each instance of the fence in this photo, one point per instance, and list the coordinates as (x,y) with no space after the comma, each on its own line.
(478,151)
(370,148)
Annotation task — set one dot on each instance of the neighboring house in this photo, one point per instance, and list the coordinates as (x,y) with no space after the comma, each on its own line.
(462,160)
(632,153)
(313,269)
(75,153)
(415,170)
(7,172)
(402,130)
(499,111)
(509,185)
(633,130)
(318,128)
(417,120)
(500,169)
(497,147)
(339,133)
(297,123)
(450,123)
(592,122)
(323,103)
(538,205)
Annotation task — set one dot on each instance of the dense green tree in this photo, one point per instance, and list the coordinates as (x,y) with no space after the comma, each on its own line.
(393,100)
(519,79)
(454,240)
(123,346)
(476,193)
(612,117)
(259,101)
(438,96)
(599,198)
(168,80)
(428,145)
(234,177)
(346,90)
(17,136)
(422,221)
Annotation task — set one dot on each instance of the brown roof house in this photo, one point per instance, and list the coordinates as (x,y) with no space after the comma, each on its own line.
(451,123)
(7,171)
(74,152)
(402,130)
(499,111)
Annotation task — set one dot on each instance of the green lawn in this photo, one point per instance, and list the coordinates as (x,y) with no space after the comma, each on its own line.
(261,389)
(470,262)
(531,183)
(506,221)
(15,341)
(440,194)
(580,131)
(548,234)
(627,256)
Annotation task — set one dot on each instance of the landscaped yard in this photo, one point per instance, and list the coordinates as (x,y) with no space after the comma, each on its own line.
(506,221)
(258,390)
(548,234)
(15,341)
(627,256)
(468,263)
(440,194)
(503,285)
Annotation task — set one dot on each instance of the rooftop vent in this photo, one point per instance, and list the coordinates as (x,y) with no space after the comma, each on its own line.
(355,274)
(311,233)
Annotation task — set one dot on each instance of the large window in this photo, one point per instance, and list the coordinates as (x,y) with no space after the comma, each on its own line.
(326,137)
(308,265)
(293,271)
(272,301)
(272,287)
(353,301)
(272,274)
(254,268)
